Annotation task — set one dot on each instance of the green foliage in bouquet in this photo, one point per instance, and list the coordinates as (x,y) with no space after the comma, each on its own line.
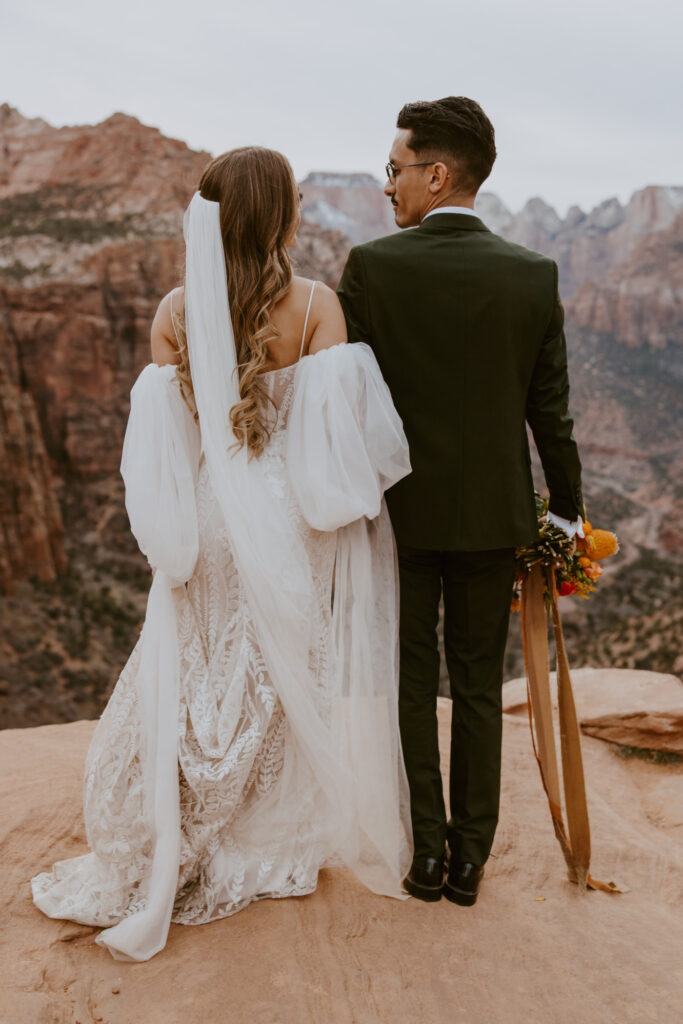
(575,562)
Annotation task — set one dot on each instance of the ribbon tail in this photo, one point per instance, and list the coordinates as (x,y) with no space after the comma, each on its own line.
(574,839)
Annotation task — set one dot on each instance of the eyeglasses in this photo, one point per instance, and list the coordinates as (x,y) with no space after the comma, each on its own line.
(392,170)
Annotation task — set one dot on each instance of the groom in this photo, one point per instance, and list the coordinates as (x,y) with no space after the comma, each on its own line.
(467,329)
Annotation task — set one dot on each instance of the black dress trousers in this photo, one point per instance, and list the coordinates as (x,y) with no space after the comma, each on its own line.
(477,588)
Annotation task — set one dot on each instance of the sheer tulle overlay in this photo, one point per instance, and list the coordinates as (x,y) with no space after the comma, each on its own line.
(252,736)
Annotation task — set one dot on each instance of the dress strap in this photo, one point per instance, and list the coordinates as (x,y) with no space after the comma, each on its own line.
(175,330)
(303,336)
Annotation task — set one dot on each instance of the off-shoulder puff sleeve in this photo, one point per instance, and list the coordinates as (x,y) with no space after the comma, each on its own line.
(345,440)
(159,466)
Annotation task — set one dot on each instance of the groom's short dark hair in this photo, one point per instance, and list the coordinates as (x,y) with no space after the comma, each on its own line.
(454,126)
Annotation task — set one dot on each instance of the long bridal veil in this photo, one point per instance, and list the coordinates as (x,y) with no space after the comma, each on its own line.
(344,446)
(353,752)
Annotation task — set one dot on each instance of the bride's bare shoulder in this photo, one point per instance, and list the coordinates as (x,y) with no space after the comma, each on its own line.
(164,336)
(327,326)
(324,300)
(302,286)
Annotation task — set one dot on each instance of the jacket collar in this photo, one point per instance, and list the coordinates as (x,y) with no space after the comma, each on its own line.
(440,222)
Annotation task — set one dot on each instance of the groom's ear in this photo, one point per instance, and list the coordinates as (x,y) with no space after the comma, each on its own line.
(440,177)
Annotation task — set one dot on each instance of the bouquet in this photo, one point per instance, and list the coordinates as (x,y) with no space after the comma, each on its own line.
(556,565)
(577,565)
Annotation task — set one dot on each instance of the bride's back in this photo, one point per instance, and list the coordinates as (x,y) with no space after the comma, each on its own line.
(325,326)
(289,320)
(259,210)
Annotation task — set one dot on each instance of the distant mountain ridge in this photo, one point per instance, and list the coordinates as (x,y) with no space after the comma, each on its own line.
(91,238)
(585,245)
(351,203)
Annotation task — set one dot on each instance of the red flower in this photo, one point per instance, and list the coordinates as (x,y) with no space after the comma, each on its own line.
(567,588)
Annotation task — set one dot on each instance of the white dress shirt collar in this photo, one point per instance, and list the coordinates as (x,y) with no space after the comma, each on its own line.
(449,209)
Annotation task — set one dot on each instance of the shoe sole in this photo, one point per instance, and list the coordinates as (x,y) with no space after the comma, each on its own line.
(463,899)
(429,894)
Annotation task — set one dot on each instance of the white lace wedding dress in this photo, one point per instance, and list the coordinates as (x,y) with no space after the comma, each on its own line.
(272,780)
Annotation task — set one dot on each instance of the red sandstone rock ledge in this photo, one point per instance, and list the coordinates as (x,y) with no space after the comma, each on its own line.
(343,956)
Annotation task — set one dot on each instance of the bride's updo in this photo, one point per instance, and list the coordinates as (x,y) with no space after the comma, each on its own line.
(258,197)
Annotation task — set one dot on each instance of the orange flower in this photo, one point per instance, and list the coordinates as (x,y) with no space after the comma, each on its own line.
(585,561)
(587,528)
(605,544)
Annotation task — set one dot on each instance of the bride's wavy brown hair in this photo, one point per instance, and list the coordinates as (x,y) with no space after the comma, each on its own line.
(258,197)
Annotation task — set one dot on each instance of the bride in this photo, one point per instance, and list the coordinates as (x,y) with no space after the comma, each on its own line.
(252,736)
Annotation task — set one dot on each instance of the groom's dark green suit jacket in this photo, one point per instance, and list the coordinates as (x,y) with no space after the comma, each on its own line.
(468,331)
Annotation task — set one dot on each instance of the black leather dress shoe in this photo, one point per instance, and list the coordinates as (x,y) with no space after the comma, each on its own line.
(425,878)
(462,884)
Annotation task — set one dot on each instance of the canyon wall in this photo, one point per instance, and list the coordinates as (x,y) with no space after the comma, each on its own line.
(91,239)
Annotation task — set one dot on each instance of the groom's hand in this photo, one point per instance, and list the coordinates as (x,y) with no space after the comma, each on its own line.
(573,528)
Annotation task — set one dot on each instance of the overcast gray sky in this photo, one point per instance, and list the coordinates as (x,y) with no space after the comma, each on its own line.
(585,96)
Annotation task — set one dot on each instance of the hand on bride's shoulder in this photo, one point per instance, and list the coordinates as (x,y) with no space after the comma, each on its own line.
(327,326)
(164,332)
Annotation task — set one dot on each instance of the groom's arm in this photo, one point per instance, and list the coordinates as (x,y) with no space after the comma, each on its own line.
(548,415)
(353,295)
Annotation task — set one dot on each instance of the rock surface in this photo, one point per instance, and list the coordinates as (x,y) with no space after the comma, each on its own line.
(532,950)
(586,245)
(602,691)
(90,239)
(655,730)
(629,708)
(640,300)
(31,528)
(353,204)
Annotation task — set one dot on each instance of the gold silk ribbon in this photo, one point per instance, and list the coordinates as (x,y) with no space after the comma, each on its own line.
(574,839)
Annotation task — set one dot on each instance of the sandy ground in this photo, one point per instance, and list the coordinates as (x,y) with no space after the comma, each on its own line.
(344,956)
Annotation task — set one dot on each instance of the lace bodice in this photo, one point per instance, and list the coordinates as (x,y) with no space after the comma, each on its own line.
(279,385)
